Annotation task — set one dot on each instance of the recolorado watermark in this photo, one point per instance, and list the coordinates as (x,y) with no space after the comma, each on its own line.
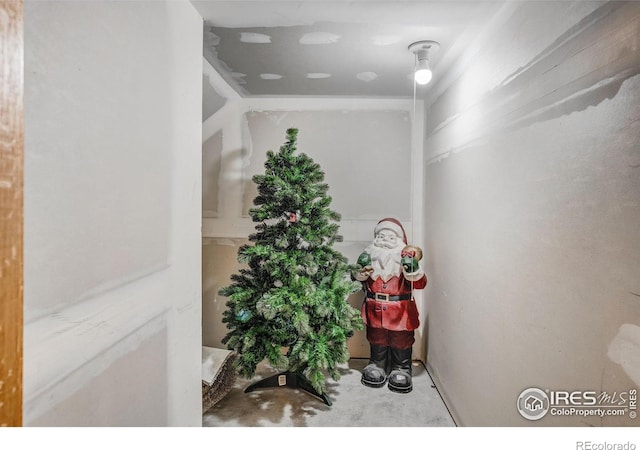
(589,445)
(534,404)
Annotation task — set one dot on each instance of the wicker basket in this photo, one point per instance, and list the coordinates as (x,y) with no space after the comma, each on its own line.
(218,375)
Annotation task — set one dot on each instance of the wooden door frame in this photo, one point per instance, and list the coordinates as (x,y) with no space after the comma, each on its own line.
(11,210)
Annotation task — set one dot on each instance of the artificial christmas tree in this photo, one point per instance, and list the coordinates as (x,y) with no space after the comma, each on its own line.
(289,304)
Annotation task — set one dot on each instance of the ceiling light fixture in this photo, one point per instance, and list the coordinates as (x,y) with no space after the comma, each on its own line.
(421,49)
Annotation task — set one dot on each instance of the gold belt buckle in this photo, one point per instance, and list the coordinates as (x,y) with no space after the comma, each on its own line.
(382,297)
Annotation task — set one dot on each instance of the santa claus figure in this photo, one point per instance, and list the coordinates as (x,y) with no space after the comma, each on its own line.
(389,271)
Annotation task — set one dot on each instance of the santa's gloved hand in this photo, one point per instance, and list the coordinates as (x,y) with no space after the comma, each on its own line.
(363,273)
(410,264)
(363,269)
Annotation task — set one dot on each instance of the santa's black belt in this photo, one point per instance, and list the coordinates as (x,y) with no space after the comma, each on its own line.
(388,298)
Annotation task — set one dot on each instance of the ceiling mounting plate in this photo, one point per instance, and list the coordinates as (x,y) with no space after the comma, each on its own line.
(430,46)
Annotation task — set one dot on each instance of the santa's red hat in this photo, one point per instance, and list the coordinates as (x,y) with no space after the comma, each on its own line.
(392,224)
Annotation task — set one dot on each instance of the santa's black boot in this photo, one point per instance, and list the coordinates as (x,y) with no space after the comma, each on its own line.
(400,376)
(375,373)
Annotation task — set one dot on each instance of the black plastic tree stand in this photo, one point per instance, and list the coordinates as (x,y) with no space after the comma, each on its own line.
(291,380)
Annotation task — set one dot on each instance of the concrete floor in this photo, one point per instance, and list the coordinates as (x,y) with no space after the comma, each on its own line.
(353,404)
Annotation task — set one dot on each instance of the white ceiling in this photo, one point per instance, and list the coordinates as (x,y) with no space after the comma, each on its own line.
(335,48)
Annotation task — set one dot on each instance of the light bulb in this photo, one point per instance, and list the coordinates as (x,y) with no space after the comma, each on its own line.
(422,72)
(423,76)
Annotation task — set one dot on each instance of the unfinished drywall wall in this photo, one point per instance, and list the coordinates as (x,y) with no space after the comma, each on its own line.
(89,213)
(532,206)
(113,100)
(365,155)
(121,379)
(219,261)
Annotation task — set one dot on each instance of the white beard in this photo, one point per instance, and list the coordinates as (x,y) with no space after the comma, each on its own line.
(385,261)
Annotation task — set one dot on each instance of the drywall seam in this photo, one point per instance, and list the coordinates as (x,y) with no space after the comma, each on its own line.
(218,83)
(571,34)
(60,346)
(65,387)
(221,119)
(326,104)
(232,161)
(534,115)
(240,228)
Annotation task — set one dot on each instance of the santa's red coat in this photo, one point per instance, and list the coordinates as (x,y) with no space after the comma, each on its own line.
(401,315)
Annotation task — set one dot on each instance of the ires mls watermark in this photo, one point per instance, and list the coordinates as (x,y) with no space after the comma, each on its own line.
(534,403)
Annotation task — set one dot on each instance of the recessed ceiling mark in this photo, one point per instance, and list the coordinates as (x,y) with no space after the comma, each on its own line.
(367,76)
(270,76)
(319,38)
(385,40)
(255,38)
(318,75)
